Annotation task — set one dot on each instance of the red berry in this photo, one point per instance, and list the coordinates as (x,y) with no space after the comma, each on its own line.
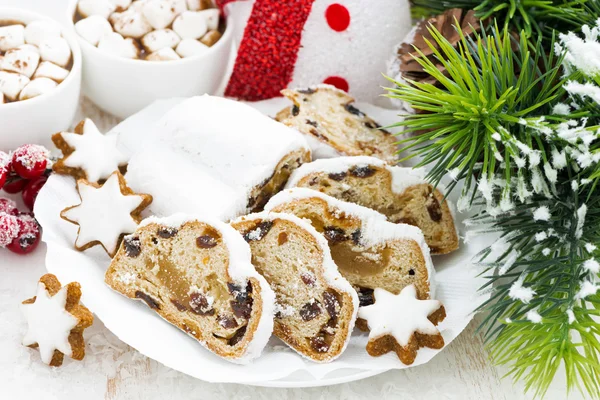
(4,168)
(31,190)
(8,206)
(29,161)
(28,237)
(14,184)
(9,229)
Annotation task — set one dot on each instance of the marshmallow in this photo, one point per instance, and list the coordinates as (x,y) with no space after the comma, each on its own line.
(55,50)
(196,5)
(115,44)
(93,28)
(37,30)
(178,5)
(159,39)
(131,24)
(11,36)
(211,38)
(121,4)
(137,5)
(159,13)
(36,88)
(21,60)
(29,47)
(51,71)
(190,48)
(190,25)
(11,84)
(164,54)
(102,8)
(212,18)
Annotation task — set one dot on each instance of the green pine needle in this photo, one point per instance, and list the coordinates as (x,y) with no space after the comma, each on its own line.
(533,17)
(482,97)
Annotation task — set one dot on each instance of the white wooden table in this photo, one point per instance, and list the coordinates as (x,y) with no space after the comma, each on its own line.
(112,370)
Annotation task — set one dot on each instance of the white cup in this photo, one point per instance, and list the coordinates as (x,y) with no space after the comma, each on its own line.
(123,86)
(35,120)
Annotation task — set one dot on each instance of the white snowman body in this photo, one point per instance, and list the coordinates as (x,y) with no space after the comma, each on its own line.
(344,42)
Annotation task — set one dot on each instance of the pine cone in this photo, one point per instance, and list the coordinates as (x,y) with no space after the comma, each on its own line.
(407,67)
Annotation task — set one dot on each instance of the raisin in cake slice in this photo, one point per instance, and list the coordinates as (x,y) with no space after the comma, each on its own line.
(197,274)
(334,126)
(316,307)
(228,158)
(401,194)
(369,251)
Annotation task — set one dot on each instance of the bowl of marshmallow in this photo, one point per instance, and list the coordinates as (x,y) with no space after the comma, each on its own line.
(40,77)
(135,52)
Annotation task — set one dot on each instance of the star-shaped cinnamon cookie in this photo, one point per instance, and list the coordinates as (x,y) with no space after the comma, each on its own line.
(87,153)
(402,323)
(106,213)
(56,320)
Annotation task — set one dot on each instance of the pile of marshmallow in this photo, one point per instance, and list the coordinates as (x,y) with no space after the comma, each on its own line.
(154,30)
(34,59)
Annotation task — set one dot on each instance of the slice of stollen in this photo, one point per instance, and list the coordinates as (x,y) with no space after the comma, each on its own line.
(401,194)
(196,274)
(369,251)
(316,307)
(328,119)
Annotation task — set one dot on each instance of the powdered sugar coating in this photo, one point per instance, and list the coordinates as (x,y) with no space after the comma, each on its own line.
(402,178)
(202,137)
(9,229)
(240,269)
(48,323)
(400,315)
(103,214)
(330,270)
(375,228)
(96,154)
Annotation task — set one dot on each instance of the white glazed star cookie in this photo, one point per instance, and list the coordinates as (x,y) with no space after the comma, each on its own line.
(402,323)
(87,153)
(106,213)
(56,320)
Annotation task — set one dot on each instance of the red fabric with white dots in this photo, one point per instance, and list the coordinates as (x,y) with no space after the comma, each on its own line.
(269,49)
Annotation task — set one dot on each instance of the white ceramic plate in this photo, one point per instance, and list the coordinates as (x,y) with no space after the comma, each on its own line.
(142,329)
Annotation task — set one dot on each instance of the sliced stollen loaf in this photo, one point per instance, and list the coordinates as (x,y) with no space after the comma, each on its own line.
(334,126)
(315,307)
(401,194)
(196,273)
(369,251)
(215,156)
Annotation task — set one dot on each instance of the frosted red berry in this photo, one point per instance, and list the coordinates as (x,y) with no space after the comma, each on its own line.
(31,190)
(28,236)
(14,184)
(4,168)
(8,206)
(29,161)
(9,229)
(338,17)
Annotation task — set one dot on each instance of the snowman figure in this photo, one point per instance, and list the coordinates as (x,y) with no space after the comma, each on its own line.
(298,43)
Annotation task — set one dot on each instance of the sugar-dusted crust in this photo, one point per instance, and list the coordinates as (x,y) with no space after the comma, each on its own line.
(315,307)
(125,190)
(327,114)
(81,313)
(61,167)
(401,194)
(196,274)
(369,251)
(393,328)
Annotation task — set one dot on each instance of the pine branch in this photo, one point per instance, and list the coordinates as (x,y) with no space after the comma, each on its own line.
(487,112)
(534,17)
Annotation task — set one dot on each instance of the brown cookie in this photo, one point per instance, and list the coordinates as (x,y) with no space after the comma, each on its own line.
(402,323)
(56,321)
(87,153)
(107,212)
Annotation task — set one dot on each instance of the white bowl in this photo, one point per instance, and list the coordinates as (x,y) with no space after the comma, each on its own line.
(124,86)
(35,120)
